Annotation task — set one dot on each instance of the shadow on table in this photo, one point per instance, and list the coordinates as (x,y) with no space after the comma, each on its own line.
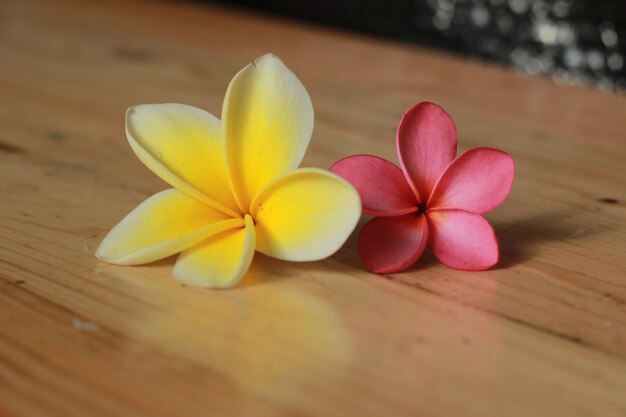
(523,239)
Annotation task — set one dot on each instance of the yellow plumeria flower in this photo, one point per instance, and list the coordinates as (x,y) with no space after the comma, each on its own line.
(237,186)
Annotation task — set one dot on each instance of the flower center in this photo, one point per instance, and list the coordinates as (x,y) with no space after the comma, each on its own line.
(421,209)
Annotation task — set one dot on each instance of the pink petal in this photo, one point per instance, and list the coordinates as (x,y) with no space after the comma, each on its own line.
(462,240)
(391,244)
(381,185)
(479,180)
(426,142)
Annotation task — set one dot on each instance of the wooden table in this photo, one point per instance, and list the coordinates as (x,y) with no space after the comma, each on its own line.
(543,334)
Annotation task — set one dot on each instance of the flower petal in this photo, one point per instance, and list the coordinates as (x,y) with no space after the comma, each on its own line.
(164,224)
(479,180)
(306,215)
(381,185)
(462,240)
(391,244)
(183,145)
(267,119)
(426,142)
(220,261)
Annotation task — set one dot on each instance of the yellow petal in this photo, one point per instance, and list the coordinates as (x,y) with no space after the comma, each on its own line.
(220,261)
(164,224)
(183,145)
(306,215)
(267,120)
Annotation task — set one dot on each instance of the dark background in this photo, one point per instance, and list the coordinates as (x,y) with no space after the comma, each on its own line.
(573,41)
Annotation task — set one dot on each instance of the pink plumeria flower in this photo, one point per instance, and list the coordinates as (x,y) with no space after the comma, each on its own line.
(432,199)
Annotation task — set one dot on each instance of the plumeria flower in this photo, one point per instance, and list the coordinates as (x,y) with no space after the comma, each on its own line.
(432,199)
(237,188)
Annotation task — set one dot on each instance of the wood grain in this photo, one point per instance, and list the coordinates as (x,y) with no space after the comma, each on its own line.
(543,334)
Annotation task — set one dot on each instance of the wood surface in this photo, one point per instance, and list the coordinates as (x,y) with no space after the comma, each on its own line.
(542,334)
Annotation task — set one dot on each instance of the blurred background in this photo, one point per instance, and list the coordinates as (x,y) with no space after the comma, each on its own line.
(572,41)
